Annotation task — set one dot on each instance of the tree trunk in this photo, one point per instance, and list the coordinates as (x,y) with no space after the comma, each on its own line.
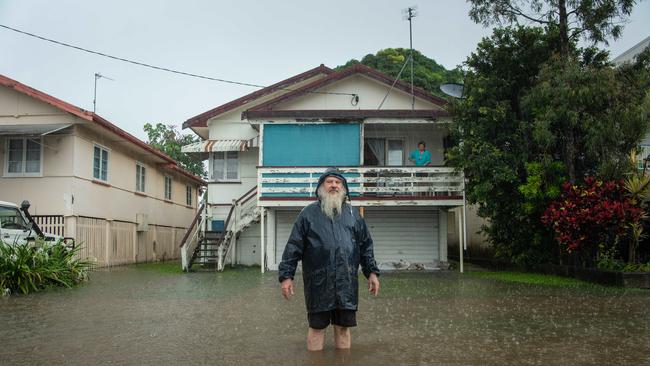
(570,150)
(564,30)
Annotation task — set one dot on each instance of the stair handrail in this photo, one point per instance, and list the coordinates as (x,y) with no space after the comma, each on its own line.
(243,198)
(191,227)
(193,230)
(228,229)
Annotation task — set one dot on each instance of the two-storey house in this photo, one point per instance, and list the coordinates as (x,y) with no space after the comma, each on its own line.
(267,149)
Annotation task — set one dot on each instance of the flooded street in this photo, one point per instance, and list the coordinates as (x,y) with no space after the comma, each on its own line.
(151,314)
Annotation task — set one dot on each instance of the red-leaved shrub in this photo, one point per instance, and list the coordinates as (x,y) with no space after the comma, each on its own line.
(588,215)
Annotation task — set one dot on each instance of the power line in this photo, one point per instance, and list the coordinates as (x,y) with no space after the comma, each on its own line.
(156,67)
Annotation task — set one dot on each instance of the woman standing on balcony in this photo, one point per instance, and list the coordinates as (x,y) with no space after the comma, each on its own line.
(421,156)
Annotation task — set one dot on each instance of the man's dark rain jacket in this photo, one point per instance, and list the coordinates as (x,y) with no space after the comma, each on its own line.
(331,251)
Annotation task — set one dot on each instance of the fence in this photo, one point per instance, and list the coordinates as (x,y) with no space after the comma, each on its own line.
(110,243)
(53,224)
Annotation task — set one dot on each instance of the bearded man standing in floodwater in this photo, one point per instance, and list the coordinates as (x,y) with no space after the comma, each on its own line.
(331,239)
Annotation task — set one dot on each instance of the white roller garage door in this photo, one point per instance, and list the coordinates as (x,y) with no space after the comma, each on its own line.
(409,235)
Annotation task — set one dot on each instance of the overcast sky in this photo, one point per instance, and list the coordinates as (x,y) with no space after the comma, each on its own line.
(258,42)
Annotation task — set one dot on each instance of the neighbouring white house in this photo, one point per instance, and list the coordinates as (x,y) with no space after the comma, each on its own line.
(86,178)
(267,149)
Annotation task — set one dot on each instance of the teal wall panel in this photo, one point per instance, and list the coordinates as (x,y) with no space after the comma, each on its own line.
(312,145)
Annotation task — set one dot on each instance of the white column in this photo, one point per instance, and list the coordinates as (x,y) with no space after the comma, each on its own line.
(270,240)
(262,241)
(442,235)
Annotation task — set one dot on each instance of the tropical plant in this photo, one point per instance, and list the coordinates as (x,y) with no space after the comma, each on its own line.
(638,188)
(593,218)
(26,268)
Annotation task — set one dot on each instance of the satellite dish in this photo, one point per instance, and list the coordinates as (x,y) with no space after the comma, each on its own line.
(453,89)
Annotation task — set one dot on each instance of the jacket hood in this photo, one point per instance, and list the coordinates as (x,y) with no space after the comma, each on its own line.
(333,172)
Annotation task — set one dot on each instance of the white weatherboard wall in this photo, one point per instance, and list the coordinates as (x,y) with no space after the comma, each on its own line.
(222,193)
(371,93)
(247,250)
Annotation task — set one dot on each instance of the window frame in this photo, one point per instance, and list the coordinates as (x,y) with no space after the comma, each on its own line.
(108,162)
(188,195)
(140,187)
(39,142)
(224,178)
(167,178)
(388,150)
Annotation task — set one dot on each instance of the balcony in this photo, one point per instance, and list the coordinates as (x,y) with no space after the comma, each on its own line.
(369,186)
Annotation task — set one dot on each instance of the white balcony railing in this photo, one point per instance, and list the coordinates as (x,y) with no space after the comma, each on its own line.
(364,182)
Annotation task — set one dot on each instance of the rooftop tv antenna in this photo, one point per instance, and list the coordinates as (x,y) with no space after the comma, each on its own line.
(97,77)
(410,13)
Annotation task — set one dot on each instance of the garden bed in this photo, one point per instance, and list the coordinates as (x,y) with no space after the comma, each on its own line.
(605,277)
(595,275)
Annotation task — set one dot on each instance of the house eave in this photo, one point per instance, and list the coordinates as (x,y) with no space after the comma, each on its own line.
(344,114)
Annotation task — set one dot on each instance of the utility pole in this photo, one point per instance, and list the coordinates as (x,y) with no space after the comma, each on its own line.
(409,14)
(97,77)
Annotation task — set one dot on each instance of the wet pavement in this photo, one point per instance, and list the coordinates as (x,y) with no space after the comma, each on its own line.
(151,315)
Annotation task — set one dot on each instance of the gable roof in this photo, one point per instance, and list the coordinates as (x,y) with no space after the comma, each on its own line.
(202,119)
(170,163)
(269,105)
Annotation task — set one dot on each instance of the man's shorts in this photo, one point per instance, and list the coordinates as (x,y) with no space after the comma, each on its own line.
(340,317)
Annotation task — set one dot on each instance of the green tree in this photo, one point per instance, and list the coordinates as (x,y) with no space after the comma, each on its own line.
(427,73)
(497,152)
(594,21)
(168,139)
(598,109)
(513,126)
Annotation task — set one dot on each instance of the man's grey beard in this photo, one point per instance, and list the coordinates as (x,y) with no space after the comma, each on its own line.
(331,203)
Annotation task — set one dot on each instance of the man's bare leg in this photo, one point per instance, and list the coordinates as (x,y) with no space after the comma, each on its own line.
(315,339)
(342,337)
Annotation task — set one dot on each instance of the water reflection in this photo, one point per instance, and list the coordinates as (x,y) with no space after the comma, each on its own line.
(145,315)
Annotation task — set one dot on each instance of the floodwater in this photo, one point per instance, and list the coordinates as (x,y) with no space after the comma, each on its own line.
(149,315)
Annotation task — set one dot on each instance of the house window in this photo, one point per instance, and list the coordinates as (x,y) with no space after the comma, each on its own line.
(168,188)
(100,163)
(395,156)
(225,166)
(23,157)
(140,172)
(383,152)
(188,195)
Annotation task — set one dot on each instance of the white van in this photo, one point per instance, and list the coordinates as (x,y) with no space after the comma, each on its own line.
(16,228)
